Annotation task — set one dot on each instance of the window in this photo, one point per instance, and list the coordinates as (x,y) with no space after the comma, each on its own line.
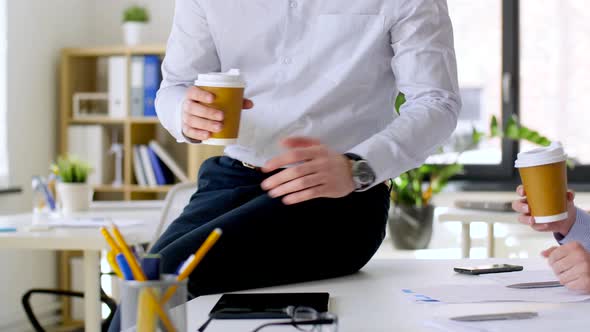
(478,47)
(483,46)
(3,115)
(525,58)
(555,74)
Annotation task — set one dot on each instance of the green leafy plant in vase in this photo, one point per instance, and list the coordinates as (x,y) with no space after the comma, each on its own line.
(135,18)
(411,213)
(73,192)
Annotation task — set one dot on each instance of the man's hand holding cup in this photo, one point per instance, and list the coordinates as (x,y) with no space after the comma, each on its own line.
(212,109)
(199,119)
(562,226)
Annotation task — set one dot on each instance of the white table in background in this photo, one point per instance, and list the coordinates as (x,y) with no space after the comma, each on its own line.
(447,213)
(372,300)
(88,240)
(466,217)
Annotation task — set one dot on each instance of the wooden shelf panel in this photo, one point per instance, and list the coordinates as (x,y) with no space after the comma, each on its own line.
(108,188)
(98,120)
(116,50)
(144,189)
(145,119)
(110,120)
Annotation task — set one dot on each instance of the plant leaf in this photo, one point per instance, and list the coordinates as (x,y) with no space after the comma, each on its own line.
(399,101)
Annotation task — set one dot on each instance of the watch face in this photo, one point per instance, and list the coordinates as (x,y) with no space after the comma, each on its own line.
(364,173)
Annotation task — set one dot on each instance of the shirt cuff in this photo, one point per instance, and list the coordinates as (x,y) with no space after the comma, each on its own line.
(580,231)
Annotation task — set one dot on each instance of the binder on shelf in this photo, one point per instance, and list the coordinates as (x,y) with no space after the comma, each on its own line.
(152,77)
(147,166)
(161,172)
(137,63)
(168,161)
(140,177)
(91,144)
(117,82)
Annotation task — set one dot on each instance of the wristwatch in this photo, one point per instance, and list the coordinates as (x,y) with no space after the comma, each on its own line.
(362,173)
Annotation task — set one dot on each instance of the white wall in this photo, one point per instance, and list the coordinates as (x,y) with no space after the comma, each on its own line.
(36,31)
(107,14)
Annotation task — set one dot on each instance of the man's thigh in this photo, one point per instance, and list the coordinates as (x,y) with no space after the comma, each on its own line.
(222,188)
(266,242)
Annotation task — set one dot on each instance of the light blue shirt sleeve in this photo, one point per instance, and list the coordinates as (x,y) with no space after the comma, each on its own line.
(579,232)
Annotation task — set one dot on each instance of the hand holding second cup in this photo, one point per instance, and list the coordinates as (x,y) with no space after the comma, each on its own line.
(563,226)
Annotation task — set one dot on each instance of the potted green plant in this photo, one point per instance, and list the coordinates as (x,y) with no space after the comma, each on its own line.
(135,18)
(411,213)
(73,192)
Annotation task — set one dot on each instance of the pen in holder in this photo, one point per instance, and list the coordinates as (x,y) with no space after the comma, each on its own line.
(139,298)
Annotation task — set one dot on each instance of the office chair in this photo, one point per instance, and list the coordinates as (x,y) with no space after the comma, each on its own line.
(26,302)
(176,199)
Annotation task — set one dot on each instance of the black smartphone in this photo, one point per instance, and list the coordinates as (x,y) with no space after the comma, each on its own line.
(266,305)
(493,268)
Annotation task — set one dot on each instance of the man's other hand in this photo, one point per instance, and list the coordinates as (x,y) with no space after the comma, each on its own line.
(318,171)
(571,264)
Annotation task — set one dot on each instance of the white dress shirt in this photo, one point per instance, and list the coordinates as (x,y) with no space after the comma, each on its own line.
(328,69)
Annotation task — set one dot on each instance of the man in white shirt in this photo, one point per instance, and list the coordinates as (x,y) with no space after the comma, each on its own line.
(322,78)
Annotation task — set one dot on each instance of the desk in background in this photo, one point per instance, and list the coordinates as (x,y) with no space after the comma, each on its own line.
(445,212)
(87,240)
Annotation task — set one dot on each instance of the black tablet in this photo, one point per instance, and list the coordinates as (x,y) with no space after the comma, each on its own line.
(266,305)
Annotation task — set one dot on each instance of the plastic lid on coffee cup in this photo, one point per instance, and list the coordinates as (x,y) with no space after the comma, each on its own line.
(230,79)
(553,153)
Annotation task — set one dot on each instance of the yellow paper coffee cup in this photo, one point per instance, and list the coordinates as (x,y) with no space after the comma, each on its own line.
(543,173)
(228,89)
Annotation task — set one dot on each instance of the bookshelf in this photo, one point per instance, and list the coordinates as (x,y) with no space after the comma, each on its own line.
(79,72)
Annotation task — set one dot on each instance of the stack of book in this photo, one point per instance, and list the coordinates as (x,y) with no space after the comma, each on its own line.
(153,166)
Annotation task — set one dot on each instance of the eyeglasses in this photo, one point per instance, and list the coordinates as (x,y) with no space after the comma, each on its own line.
(304,319)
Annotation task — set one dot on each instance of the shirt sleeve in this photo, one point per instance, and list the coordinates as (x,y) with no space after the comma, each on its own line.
(579,232)
(190,51)
(425,69)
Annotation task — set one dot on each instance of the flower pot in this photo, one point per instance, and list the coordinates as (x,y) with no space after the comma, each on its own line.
(133,32)
(410,227)
(74,197)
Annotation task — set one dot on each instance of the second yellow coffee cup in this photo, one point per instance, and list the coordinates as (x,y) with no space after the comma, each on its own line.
(543,173)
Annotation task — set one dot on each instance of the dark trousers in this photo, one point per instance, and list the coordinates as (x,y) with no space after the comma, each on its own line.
(265,242)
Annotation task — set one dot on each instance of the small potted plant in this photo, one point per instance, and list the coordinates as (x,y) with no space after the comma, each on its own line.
(135,18)
(73,191)
(411,213)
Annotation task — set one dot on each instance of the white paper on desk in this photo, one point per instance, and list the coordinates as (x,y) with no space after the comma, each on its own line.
(498,293)
(510,278)
(92,222)
(547,321)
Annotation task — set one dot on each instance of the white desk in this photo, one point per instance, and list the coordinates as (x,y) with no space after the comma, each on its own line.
(90,241)
(372,301)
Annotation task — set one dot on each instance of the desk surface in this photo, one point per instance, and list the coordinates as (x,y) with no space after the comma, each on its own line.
(371,300)
(77,238)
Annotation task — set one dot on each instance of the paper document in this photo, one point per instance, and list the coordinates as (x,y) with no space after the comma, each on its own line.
(525,276)
(92,222)
(494,293)
(547,321)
